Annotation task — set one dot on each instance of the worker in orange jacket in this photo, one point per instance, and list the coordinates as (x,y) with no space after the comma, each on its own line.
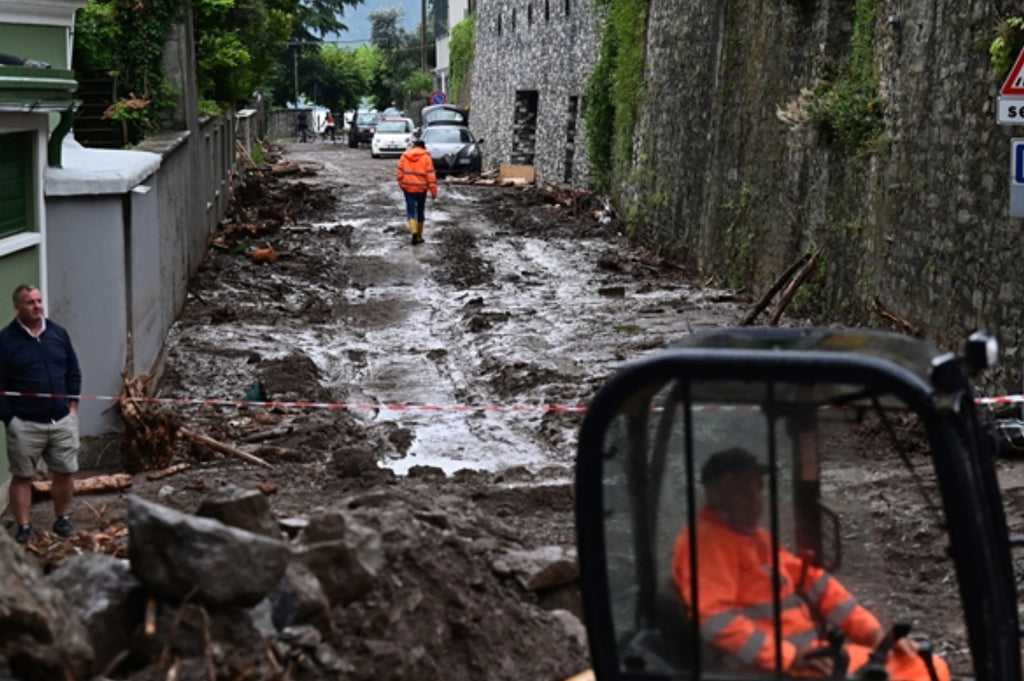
(416,177)
(734,567)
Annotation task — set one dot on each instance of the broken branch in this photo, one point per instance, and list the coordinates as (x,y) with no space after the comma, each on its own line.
(775,288)
(223,448)
(795,284)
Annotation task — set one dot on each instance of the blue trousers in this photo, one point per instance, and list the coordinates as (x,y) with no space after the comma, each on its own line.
(415,206)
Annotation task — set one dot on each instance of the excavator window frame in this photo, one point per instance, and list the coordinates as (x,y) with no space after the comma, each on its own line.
(961,454)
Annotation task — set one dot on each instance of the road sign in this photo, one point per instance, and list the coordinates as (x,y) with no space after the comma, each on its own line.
(1014,85)
(1010,111)
(438,97)
(1017,177)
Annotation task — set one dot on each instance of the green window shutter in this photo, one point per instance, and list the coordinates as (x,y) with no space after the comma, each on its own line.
(15,167)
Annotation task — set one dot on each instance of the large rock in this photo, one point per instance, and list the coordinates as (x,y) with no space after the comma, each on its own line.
(40,634)
(107,598)
(177,555)
(344,555)
(246,509)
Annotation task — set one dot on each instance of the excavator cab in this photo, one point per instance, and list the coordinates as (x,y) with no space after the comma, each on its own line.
(876,468)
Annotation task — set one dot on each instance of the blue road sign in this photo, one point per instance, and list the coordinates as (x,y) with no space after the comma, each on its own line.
(438,97)
(1017,177)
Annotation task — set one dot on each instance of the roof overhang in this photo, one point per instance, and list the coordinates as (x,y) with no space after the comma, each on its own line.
(33,90)
(39,12)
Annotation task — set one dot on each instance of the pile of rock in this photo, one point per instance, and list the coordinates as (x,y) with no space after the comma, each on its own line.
(230,592)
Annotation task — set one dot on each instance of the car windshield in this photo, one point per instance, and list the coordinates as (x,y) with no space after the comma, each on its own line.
(448,136)
(444,115)
(393,126)
(367,119)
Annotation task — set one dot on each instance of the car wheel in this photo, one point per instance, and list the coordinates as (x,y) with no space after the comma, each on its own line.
(374,155)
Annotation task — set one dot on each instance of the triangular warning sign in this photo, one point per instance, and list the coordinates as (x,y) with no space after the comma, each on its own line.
(1014,85)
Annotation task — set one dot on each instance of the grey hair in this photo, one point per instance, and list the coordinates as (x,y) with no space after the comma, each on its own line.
(21,289)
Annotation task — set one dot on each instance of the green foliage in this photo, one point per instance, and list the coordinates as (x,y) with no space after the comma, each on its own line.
(401,52)
(615,89)
(418,85)
(462,46)
(126,38)
(1007,45)
(848,110)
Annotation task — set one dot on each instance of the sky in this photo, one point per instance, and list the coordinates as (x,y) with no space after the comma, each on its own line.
(359,25)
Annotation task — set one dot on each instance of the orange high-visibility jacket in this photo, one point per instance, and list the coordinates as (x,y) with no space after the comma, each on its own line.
(735,590)
(416,172)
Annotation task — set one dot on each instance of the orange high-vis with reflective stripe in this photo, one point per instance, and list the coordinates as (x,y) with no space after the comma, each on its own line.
(416,172)
(736,608)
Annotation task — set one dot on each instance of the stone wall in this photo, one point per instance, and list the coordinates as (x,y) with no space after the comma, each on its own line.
(530,67)
(735,180)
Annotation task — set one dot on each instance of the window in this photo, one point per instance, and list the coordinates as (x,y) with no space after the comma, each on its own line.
(568,7)
(547,10)
(529,14)
(15,172)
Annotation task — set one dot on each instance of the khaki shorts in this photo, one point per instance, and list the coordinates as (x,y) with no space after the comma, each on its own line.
(54,443)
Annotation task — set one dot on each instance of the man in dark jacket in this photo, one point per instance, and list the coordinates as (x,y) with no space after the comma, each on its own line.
(36,356)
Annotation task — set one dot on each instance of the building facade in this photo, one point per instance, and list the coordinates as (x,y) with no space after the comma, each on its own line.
(530,68)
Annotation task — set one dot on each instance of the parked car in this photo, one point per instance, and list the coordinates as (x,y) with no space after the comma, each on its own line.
(443,114)
(363,127)
(453,148)
(393,136)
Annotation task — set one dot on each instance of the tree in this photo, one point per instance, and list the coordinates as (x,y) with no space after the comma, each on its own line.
(401,52)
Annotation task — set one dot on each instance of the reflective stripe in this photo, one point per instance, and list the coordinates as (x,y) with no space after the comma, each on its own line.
(838,614)
(748,653)
(718,622)
(765,610)
(819,588)
(803,639)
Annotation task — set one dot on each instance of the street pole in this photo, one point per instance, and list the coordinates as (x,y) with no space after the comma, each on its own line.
(423,35)
(296,76)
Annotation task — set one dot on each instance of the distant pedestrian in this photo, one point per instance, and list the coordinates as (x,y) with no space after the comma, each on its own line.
(416,177)
(329,126)
(36,356)
(302,126)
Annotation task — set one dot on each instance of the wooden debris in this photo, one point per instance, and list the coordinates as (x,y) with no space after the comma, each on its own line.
(169,471)
(800,277)
(222,448)
(98,484)
(775,288)
(901,324)
(149,435)
(244,154)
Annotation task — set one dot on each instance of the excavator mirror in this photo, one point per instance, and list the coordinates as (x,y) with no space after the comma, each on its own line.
(725,483)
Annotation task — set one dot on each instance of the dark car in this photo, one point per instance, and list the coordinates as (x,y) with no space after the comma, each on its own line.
(443,114)
(453,149)
(362,128)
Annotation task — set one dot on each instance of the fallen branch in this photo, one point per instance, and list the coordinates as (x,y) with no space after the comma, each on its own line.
(100,484)
(775,288)
(903,325)
(170,470)
(222,448)
(245,154)
(795,284)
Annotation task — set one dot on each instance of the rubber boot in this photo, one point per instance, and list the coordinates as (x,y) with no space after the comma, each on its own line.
(413,229)
(419,231)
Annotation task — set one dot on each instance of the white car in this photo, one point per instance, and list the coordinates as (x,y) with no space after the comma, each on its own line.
(393,136)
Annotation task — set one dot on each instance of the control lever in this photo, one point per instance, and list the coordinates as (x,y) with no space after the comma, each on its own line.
(875,667)
(835,650)
(924,650)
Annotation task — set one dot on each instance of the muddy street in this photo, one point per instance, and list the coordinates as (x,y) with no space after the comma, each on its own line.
(471,345)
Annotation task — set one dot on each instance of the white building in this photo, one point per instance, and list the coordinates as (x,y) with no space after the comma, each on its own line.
(447,13)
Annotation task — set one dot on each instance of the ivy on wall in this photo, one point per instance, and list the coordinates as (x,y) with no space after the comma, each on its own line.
(614,90)
(1007,45)
(847,109)
(129,35)
(462,47)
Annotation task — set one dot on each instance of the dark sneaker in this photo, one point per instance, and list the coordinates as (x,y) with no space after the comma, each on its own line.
(63,527)
(23,534)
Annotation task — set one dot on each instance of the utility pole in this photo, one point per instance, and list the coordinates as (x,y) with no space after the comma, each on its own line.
(423,35)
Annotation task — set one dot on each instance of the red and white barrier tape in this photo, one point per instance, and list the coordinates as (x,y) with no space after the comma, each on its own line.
(366,406)
(340,406)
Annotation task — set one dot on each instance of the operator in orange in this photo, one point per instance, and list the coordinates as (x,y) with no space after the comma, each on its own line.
(735,583)
(415,178)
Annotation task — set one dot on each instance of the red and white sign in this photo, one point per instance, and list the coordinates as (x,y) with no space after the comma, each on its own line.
(1014,85)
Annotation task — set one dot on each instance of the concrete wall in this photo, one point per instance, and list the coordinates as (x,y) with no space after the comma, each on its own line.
(529,71)
(120,261)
